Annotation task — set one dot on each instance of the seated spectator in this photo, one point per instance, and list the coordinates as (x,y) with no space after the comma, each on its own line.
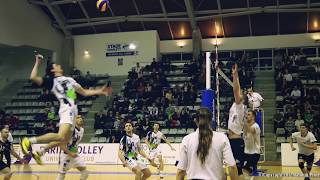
(289,126)
(317,67)
(307,106)
(308,117)
(50,127)
(298,121)
(153,111)
(287,77)
(113,139)
(12,121)
(295,93)
(174,121)
(278,120)
(117,125)
(169,96)
(140,89)
(184,117)
(98,120)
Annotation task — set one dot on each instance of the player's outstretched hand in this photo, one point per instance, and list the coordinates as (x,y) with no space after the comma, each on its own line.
(106,90)
(234,68)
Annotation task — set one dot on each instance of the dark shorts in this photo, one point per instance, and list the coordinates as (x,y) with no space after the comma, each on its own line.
(3,165)
(307,158)
(237,147)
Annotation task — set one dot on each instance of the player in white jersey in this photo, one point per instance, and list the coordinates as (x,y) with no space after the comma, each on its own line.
(251,142)
(70,158)
(64,88)
(128,152)
(153,140)
(204,152)
(307,145)
(236,121)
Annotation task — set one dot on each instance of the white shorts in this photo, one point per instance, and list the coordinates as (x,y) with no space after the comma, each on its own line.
(68,114)
(134,163)
(154,153)
(66,162)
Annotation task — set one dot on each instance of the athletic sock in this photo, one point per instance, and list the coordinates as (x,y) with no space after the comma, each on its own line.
(33,140)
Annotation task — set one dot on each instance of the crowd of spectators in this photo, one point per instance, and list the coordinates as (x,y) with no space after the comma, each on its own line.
(149,96)
(300,101)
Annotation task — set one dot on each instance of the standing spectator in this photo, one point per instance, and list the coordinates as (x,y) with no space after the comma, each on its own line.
(138,68)
(254,99)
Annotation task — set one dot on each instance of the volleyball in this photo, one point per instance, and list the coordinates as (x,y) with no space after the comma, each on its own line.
(102,5)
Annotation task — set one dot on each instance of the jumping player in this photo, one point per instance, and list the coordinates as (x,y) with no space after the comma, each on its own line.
(65,89)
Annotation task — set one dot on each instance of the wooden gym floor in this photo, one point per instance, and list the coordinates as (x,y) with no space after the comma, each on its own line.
(117,172)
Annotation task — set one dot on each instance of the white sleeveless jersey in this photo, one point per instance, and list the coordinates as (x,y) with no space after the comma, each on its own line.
(236,118)
(76,137)
(64,90)
(130,145)
(155,138)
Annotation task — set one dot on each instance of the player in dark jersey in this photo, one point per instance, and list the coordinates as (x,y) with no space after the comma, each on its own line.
(6,149)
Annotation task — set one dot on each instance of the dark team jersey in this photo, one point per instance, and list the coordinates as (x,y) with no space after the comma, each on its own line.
(5,149)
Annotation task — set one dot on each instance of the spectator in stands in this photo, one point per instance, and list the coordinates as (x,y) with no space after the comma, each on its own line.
(98,120)
(287,77)
(113,139)
(278,120)
(298,122)
(169,96)
(184,117)
(317,67)
(75,72)
(89,79)
(140,89)
(296,93)
(12,121)
(138,68)
(117,125)
(50,127)
(148,90)
(290,126)
(254,99)
(174,121)
(153,111)
(308,117)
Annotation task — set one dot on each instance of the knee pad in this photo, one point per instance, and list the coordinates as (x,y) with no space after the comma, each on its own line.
(61,176)
(301,165)
(309,167)
(84,175)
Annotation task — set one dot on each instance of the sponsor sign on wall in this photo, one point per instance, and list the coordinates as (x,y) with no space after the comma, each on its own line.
(121,49)
(100,153)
